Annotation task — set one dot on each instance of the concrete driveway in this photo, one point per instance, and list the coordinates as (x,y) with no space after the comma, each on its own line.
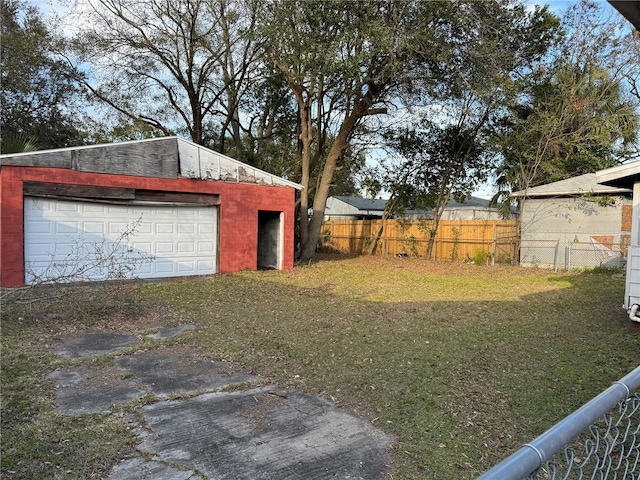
(210,420)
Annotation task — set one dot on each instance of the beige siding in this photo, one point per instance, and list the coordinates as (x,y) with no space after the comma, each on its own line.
(551,226)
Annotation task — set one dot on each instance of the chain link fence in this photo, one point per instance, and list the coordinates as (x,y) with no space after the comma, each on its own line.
(571,255)
(609,449)
(600,440)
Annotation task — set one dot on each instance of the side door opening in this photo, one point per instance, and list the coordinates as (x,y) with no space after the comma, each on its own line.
(270,240)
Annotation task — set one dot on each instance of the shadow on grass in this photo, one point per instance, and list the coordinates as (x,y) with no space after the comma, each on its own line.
(484,361)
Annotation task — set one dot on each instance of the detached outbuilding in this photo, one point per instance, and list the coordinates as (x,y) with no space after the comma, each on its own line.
(179,207)
(576,222)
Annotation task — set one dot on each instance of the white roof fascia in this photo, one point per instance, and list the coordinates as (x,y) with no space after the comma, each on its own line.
(192,163)
(580,185)
(81,147)
(616,174)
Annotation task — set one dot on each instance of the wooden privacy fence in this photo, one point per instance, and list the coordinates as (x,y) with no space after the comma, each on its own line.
(481,241)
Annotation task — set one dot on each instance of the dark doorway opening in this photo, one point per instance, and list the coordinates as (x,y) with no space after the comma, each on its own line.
(269,240)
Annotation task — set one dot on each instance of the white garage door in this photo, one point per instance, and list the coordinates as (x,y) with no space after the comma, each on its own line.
(72,241)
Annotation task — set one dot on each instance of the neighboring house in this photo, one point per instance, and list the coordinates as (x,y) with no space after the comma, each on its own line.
(473,208)
(630,9)
(628,177)
(575,222)
(353,208)
(194,211)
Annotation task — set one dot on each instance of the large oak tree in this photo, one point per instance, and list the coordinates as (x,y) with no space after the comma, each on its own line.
(348,61)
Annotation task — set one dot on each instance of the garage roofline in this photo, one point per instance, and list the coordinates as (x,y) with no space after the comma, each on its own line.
(164,157)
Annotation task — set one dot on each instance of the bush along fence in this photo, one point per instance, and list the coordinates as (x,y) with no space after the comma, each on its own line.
(479,241)
(599,440)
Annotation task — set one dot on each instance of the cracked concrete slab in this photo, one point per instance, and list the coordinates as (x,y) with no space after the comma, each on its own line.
(249,433)
(95,344)
(84,390)
(169,374)
(264,434)
(142,469)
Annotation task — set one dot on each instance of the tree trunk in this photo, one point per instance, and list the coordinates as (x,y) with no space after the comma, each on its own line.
(388,210)
(339,146)
(432,238)
(306,137)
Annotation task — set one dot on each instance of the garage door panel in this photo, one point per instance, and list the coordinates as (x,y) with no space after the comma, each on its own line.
(57,229)
(204,265)
(38,226)
(206,228)
(206,247)
(63,228)
(143,247)
(68,207)
(116,229)
(94,228)
(164,228)
(187,266)
(38,251)
(186,229)
(94,208)
(163,248)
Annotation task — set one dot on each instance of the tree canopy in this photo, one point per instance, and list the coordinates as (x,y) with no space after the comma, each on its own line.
(571,115)
(306,88)
(37,95)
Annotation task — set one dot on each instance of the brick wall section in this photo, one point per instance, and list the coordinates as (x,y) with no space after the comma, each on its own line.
(238,213)
(627,216)
(11,228)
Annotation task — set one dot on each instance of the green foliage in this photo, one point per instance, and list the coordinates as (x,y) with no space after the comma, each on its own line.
(571,116)
(601,200)
(38,93)
(481,257)
(14,142)
(433,164)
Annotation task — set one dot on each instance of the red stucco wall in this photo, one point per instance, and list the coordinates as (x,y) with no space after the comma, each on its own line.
(238,213)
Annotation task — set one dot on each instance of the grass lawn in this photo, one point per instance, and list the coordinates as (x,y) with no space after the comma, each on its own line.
(461,364)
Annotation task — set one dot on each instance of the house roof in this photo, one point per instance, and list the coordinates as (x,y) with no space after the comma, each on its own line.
(469,202)
(630,9)
(363,203)
(378,204)
(623,176)
(166,157)
(581,184)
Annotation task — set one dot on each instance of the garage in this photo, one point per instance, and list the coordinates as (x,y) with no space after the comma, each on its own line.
(72,240)
(154,208)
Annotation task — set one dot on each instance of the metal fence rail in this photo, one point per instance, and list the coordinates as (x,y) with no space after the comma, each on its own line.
(610,441)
